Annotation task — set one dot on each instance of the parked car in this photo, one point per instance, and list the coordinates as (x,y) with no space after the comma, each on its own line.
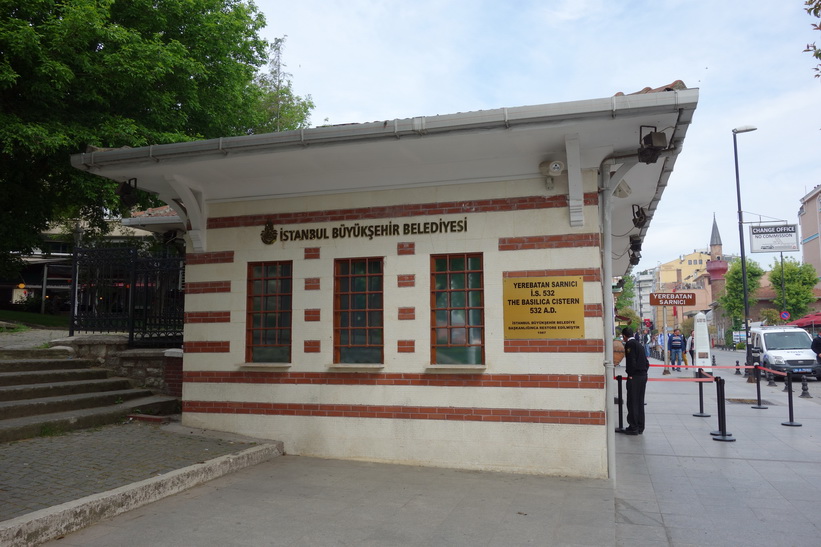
(785,349)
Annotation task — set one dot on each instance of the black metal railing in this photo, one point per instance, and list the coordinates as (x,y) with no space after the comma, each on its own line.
(123,290)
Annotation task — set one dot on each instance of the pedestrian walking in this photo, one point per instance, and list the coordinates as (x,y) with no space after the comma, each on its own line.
(676,345)
(646,340)
(636,366)
(691,346)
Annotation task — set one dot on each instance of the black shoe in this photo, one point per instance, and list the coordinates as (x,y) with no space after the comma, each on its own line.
(631,432)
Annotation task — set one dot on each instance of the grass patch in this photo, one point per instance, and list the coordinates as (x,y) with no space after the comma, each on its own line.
(34,319)
(50,430)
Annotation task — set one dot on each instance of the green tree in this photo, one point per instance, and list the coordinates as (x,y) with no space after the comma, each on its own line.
(799,281)
(624,299)
(813,7)
(79,74)
(283,109)
(733,298)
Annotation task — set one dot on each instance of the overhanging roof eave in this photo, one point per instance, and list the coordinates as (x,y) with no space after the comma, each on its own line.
(484,120)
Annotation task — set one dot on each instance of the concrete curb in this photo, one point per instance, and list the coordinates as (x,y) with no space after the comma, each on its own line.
(47,524)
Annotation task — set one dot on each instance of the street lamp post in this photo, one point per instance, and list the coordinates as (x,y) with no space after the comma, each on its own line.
(736,131)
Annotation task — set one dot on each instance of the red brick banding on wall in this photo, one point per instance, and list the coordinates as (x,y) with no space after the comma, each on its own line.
(312,314)
(311,283)
(216,257)
(405,346)
(407,314)
(406,248)
(205,287)
(312,346)
(588,274)
(311,253)
(593,310)
(207,347)
(401,211)
(562,241)
(406,280)
(208,317)
(538,381)
(554,346)
(393,412)
(172,375)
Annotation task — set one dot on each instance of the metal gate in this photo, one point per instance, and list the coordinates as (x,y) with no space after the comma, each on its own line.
(124,291)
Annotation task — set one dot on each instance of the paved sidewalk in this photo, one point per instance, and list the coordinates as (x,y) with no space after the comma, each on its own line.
(30,338)
(46,471)
(674,485)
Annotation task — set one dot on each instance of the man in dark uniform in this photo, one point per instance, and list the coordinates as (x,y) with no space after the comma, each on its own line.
(816,346)
(636,366)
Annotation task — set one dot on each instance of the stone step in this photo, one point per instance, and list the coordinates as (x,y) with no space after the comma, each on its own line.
(19,365)
(48,405)
(58,352)
(56,389)
(46,376)
(15,429)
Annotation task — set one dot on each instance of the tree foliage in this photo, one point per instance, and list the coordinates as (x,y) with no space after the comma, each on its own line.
(733,298)
(799,281)
(624,299)
(76,74)
(813,7)
(285,110)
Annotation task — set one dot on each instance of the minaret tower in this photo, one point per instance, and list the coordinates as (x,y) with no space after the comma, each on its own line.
(716,266)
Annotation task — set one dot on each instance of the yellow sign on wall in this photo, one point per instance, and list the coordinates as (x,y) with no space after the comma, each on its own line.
(544,307)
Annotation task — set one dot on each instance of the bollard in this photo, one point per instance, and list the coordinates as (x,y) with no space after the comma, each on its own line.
(701,414)
(721,434)
(714,360)
(771,379)
(737,369)
(757,373)
(619,401)
(805,389)
(792,422)
(746,370)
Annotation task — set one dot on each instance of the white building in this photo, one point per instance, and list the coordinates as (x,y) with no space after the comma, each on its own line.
(427,290)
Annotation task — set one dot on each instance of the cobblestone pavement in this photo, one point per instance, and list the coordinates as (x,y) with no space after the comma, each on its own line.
(46,471)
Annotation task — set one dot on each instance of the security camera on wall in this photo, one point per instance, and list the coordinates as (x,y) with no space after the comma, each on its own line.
(552,168)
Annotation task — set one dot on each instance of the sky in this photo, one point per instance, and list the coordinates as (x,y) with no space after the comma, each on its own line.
(369,60)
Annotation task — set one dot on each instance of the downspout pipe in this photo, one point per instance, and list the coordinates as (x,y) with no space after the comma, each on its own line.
(609,319)
(607,186)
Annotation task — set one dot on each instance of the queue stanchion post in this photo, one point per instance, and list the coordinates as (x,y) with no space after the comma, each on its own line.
(701,413)
(620,401)
(721,434)
(757,372)
(792,422)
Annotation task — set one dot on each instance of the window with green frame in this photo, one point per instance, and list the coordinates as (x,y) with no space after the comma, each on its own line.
(358,311)
(268,324)
(457,309)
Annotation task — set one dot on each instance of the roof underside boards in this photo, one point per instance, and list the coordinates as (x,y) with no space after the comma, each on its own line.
(473,147)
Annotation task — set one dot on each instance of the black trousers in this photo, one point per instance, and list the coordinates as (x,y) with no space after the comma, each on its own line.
(635,401)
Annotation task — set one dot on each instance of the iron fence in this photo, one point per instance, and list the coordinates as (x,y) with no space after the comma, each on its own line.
(123,290)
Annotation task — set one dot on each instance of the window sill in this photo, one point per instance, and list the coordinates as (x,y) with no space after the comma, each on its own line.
(264,366)
(356,366)
(455,369)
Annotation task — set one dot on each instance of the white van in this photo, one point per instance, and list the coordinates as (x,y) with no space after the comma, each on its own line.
(785,349)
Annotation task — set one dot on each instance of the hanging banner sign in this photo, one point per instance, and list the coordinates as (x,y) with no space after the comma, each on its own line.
(774,239)
(672,299)
(543,307)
